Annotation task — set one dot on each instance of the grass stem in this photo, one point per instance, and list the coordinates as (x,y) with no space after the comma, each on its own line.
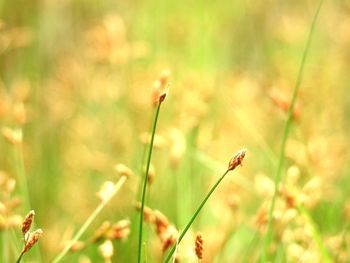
(183,233)
(88,222)
(143,197)
(287,126)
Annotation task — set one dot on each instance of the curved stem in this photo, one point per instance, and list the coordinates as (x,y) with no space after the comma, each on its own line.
(20,257)
(288,123)
(183,233)
(88,222)
(143,198)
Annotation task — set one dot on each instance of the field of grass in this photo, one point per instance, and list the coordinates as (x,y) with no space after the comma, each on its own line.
(87,141)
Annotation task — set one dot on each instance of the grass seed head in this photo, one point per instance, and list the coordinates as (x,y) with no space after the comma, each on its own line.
(106,250)
(199,246)
(236,159)
(32,239)
(106,192)
(119,230)
(149,215)
(101,231)
(13,136)
(78,246)
(27,222)
(123,170)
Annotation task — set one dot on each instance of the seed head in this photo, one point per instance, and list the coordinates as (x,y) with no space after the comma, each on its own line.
(236,160)
(160,88)
(27,222)
(106,250)
(162,96)
(101,231)
(199,246)
(123,170)
(32,239)
(106,192)
(148,213)
(13,136)
(119,230)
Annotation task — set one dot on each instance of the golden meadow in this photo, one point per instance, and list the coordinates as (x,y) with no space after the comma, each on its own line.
(174,131)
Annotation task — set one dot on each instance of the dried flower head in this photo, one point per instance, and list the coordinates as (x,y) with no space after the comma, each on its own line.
(27,222)
(106,191)
(119,230)
(161,88)
(106,250)
(123,170)
(161,222)
(101,231)
(199,246)
(168,237)
(151,173)
(78,246)
(148,213)
(13,136)
(32,239)
(236,160)
(162,96)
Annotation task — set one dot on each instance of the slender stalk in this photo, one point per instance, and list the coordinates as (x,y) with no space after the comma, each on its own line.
(88,222)
(143,198)
(288,123)
(234,162)
(183,233)
(315,235)
(20,257)
(23,185)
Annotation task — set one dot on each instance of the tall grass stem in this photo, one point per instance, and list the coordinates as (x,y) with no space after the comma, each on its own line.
(184,231)
(143,197)
(287,126)
(90,219)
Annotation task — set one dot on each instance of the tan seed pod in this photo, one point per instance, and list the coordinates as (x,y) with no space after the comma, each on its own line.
(199,246)
(123,170)
(106,250)
(236,159)
(32,239)
(119,230)
(12,136)
(27,222)
(101,231)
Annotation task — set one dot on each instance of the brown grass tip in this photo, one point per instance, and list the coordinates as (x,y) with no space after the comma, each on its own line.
(123,170)
(236,159)
(32,239)
(119,230)
(199,246)
(27,222)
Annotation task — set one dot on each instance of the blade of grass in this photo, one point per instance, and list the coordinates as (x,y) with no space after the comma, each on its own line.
(23,185)
(90,219)
(143,197)
(234,162)
(315,234)
(183,233)
(287,126)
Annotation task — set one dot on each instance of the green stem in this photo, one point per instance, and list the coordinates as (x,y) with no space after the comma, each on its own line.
(143,198)
(20,257)
(88,222)
(183,233)
(315,235)
(278,177)
(23,185)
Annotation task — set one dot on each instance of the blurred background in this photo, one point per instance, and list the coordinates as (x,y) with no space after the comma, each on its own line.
(76,85)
